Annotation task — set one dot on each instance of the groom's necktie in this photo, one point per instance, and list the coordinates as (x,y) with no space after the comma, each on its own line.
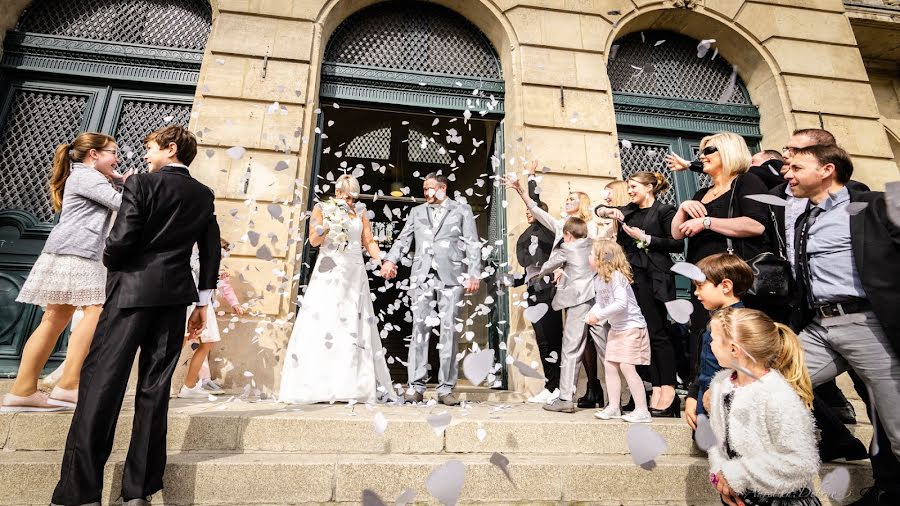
(435,210)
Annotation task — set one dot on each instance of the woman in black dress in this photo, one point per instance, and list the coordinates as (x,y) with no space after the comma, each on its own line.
(705,221)
(647,240)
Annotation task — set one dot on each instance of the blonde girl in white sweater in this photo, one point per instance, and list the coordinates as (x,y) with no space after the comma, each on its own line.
(766,444)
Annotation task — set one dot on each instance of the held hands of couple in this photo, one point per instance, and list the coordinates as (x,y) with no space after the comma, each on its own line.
(472,284)
(388,270)
(591,319)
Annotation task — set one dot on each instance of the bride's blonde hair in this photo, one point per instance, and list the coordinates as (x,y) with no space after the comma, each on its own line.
(347,184)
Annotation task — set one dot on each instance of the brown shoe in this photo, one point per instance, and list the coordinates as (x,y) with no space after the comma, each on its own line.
(34,402)
(413,398)
(448,400)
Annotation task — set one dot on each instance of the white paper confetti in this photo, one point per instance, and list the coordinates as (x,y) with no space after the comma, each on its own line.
(765,198)
(527,370)
(370,498)
(235,152)
(855,208)
(408,496)
(380,422)
(445,483)
(476,366)
(689,271)
(536,312)
(836,484)
(680,310)
(439,422)
(704,435)
(892,201)
(645,445)
(501,461)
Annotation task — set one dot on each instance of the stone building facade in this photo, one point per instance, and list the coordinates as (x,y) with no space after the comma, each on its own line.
(799,63)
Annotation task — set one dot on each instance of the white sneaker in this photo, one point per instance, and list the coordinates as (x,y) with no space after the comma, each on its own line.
(193,393)
(608,413)
(542,398)
(638,417)
(553,396)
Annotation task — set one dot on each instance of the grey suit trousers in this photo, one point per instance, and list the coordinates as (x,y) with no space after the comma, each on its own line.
(575,333)
(434,302)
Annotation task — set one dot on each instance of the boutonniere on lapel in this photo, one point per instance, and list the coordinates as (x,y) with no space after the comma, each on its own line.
(336,214)
(641,244)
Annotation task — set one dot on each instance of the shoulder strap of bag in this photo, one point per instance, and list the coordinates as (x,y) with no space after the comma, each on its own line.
(729,244)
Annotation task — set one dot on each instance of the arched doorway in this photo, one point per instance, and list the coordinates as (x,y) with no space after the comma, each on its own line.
(123,67)
(407,89)
(669,91)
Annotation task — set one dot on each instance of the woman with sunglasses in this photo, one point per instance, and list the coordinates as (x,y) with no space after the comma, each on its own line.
(704,220)
(69,273)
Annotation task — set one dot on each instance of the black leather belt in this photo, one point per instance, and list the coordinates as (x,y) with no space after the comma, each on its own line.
(842,308)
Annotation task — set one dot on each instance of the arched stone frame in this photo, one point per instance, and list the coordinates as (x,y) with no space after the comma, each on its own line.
(752,61)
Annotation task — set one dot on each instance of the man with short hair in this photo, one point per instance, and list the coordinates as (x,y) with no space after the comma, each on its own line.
(446,263)
(848,269)
(768,166)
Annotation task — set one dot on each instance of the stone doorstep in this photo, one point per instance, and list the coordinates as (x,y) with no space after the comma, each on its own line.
(236,426)
(265,478)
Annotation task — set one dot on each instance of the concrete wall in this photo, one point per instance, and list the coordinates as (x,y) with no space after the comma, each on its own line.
(798,58)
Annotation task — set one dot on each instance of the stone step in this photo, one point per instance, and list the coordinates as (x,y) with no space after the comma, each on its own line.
(270,426)
(219,478)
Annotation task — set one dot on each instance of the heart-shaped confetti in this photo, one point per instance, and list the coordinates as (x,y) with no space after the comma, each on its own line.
(765,198)
(502,461)
(446,482)
(680,310)
(236,152)
(689,271)
(536,312)
(439,422)
(527,370)
(476,366)
(704,435)
(380,422)
(326,264)
(645,445)
(836,484)
(480,433)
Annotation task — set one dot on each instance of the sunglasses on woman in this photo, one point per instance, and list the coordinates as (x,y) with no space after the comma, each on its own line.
(708,150)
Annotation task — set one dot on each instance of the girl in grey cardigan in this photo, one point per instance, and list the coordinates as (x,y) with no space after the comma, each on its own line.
(69,273)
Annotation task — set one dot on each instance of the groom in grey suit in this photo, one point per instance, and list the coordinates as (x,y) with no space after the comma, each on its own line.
(446,264)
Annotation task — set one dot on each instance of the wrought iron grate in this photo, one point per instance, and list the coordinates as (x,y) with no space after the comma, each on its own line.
(38,121)
(672,69)
(421,148)
(182,24)
(704,179)
(650,157)
(415,36)
(375,145)
(137,118)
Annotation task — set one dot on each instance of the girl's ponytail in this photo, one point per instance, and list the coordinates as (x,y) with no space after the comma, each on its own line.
(62,167)
(789,362)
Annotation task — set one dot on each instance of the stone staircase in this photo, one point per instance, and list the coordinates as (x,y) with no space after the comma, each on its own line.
(229,452)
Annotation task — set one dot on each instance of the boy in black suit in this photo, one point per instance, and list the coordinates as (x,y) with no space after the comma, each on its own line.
(163,214)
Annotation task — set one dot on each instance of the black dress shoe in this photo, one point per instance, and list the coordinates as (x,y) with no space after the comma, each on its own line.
(846,413)
(875,496)
(673,411)
(593,397)
(851,449)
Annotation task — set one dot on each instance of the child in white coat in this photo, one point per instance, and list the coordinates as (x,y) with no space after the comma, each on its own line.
(759,412)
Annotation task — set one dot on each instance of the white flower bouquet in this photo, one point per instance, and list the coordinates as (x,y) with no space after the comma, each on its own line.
(336,217)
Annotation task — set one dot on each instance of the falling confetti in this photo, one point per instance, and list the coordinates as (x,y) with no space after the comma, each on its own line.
(892,201)
(680,310)
(855,208)
(326,264)
(501,461)
(408,496)
(281,165)
(626,144)
(689,271)
(480,433)
(836,484)
(729,89)
(765,198)
(476,366)
(380,423)
(439,422)
(536,312)
(236,152)
(445,483)
(370,498)
(527,370)
(645,445)
(703,47)
(704,435)
(264,253)
(210,152)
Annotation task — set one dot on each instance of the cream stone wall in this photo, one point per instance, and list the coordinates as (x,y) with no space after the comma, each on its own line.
(798,58)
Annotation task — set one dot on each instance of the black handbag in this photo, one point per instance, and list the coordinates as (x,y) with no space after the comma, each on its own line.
(773,276)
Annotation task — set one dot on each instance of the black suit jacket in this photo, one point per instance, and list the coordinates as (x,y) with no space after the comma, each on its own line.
(875,242)
(658,225)
(148,251)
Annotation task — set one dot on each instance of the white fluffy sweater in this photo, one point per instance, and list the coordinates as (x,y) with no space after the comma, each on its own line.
(771,431)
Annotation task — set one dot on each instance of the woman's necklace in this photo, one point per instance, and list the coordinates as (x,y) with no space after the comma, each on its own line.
(716,191)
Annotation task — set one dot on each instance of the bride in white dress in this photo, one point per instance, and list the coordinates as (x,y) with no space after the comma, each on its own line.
(335,351)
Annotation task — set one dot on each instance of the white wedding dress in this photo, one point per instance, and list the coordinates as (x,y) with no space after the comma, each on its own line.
(335,351)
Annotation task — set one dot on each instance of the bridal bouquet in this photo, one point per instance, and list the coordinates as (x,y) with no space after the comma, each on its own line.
(336,216)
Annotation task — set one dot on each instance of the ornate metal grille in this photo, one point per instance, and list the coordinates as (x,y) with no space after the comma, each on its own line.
(414,36)
(38,122)
(182,24)
(420,148)
(137,118)
(375,145)
(672,69)
(650,157)
(703,178)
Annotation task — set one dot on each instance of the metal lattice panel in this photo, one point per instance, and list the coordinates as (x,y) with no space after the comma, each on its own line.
(38,122)
(704,179)
(375,145)
(421,148)
(182,24)
(650,157)
(137,118)
(414,36)
(672,69)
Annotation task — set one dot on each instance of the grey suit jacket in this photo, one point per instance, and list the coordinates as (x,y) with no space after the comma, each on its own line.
(577,285)
(87,208)
(451,247)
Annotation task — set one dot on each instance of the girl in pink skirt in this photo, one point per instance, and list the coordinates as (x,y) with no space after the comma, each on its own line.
(628,343)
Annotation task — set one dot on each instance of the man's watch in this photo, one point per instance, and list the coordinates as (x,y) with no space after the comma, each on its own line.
(707,221)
